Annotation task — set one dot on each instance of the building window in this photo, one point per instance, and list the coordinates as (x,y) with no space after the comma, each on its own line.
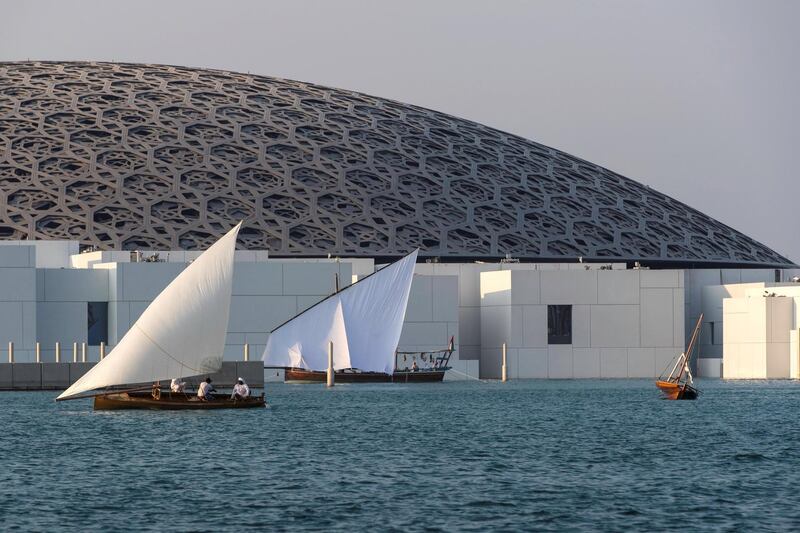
(559,324)
(97,323)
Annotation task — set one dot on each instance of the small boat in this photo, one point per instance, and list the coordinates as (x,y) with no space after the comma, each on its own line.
(355,333)
(180,334)
(678,384)
(170,401)
(438,361)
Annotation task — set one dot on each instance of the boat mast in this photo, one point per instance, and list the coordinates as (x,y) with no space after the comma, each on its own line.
(692,342)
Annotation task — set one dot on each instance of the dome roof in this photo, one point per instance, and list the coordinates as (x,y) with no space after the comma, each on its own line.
(128,156)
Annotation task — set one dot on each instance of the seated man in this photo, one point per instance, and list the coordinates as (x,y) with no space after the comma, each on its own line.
(177,385)
(240,390)
(205,390)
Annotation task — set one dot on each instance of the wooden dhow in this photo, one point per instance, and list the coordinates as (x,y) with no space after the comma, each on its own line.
(678,384)
(180,334)
(363,323)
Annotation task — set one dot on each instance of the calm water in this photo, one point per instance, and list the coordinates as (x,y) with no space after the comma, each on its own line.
(457,456)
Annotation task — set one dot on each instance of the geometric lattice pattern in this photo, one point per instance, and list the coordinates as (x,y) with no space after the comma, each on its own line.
(128,156)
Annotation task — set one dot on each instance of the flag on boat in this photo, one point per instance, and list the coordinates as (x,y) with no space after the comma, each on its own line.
(364,322)
(181,333)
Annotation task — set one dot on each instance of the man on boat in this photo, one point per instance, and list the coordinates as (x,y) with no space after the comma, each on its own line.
(177,385)
(240,390)
(205,390)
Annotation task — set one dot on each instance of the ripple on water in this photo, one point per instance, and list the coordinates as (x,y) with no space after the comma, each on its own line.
(457,456)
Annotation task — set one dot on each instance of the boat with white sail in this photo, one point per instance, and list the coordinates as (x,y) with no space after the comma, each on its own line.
(364,322)
(180,334)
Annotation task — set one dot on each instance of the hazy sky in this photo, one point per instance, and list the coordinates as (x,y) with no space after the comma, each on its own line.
(698,99)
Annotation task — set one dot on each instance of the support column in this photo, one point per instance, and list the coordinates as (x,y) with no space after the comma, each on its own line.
(58,352)
(10,352)
(102,350)
(330,364)
(83,352)
(74,352)
(246,352)
(504,369)
(38,352)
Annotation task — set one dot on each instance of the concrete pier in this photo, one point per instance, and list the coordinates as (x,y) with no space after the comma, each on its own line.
(59,376)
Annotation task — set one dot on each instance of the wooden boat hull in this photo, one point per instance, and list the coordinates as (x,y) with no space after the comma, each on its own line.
(299,375)
(676,391)
(171,402)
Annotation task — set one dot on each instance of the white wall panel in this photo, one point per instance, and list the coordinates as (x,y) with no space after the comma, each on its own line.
(615,326)
(618,287)
(569,287)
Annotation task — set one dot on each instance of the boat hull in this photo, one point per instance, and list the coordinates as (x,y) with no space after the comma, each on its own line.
(171,402)
(298,375)
(675,391)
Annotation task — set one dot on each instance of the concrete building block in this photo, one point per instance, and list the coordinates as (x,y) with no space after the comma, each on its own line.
(55,375)
(19,284)
(63,322)
(666,279)
(445,298)
(469,283)
(305,302)
(491,362)
(144,281)
(495,326)
(28,325)
(526,287)
(431,334)
(581,326)
(136,308)
(72,285)
(678,318)
(256,338)
(6,377)
(532,363)
(641,362)
(26,375)
(257,279)
(615,326)
(16,257)
(469,353)
(559,361)
(469,318)
(534,325)
(77,370)
(310,278)
(495,288)
(709,368)
(586,362)
(618,287)
(420,300)
(569,287)
(657,315)
(11,323)
(260,313)
(516,332)
(614,362)
(252,372)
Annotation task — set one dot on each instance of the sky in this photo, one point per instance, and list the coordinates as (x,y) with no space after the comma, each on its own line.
(696,98)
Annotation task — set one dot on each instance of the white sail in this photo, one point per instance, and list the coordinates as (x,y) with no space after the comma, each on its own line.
(364,321)
(181,333)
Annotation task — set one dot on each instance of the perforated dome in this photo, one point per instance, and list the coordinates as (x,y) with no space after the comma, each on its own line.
(126,156)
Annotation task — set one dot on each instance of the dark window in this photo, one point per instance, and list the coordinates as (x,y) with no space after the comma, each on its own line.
(97,323)
(559,324)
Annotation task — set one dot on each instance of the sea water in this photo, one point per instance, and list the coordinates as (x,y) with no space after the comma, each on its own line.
(472,456)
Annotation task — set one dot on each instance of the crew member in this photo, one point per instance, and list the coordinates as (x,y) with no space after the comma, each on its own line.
(177,385)
(240,390)
(205,390)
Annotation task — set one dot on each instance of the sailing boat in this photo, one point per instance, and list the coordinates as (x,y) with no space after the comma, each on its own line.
(363,321)
(181,333)
(678,385)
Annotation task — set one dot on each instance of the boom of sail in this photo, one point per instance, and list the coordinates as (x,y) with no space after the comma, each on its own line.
(363,321)
(181,333)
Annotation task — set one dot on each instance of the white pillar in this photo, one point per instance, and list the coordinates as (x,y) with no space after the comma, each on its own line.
(504,369)
(246,352)
(10,352)
(74,352)
(38,352)
(58,352)
(102,350)
(330,364)
(83,352)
